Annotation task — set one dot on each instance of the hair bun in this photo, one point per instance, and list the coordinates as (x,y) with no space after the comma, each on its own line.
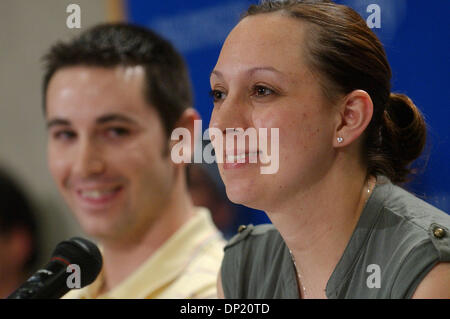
(403,134)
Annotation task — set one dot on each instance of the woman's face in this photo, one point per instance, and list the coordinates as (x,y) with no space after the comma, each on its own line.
(261,81)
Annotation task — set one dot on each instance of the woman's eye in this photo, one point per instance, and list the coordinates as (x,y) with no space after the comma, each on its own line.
(217,95)
(260,91)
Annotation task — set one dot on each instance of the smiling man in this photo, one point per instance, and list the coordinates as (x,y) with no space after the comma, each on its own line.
(111,98)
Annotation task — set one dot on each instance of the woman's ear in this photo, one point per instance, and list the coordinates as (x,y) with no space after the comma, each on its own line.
(182,142)
(355,113)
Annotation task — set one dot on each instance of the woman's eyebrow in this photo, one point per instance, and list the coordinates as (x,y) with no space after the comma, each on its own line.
(252,71)
(264,69)
(216,73)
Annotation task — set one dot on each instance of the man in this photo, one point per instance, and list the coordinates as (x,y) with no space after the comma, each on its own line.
(207,190)
(112,97)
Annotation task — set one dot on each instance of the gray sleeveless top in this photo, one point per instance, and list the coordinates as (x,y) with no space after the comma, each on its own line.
(397,241)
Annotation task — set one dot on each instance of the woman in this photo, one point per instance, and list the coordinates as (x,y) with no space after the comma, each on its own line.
(341,226)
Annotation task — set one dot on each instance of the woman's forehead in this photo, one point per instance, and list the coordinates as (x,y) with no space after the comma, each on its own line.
(269,40)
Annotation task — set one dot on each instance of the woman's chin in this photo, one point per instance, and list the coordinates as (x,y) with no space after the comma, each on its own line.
(244,196)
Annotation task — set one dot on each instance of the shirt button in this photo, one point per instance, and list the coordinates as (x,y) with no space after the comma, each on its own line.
(242,228)
(438,232)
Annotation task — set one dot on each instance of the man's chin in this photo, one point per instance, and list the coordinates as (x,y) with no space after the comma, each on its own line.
(98,229)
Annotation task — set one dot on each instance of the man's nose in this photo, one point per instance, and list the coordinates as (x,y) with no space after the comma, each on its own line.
(88,161)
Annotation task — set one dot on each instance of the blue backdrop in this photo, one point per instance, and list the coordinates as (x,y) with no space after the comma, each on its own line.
(415,34)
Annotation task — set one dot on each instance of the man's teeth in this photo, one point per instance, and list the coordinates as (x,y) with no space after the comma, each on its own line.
(95,194)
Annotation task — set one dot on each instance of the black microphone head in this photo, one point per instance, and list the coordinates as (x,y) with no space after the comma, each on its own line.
(83,253)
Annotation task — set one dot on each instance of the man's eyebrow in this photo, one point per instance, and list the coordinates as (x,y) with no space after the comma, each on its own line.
(57,121)
(114,117)
(101,120)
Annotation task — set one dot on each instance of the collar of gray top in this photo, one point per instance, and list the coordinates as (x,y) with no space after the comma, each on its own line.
(364,227)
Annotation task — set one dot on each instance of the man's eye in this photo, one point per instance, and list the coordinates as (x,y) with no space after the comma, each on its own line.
(260,91)
(217,95)
(117,132)
(64,135)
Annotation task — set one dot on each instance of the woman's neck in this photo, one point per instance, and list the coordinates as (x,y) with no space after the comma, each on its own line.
(317,225)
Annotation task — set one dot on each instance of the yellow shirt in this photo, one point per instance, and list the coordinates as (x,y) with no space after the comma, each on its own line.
(185,266)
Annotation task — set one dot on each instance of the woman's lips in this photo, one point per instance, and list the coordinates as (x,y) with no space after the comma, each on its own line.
(240,160)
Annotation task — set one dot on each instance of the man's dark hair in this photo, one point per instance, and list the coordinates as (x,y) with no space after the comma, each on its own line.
(167,85)
(16,212)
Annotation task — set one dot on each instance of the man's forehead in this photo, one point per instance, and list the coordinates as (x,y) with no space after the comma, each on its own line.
(117,88)
(85,73)
(100,103)
(129,73)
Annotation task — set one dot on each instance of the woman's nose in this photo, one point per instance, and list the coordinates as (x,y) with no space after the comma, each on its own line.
(232,114)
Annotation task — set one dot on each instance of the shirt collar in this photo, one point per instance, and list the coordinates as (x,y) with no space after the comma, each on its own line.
(165,264)
(363,229)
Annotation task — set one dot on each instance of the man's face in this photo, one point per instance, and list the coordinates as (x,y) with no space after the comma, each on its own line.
(107,150)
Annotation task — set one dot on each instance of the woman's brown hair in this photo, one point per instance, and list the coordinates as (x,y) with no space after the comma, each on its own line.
(347,55)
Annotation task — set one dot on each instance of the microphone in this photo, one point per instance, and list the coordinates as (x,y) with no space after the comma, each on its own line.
(50,282)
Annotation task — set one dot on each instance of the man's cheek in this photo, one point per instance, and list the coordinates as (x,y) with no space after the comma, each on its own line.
(58,167)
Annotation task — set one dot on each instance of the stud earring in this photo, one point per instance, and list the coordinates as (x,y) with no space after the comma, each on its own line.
(340,139)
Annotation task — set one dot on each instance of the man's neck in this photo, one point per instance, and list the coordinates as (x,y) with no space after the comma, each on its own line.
(122,257)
